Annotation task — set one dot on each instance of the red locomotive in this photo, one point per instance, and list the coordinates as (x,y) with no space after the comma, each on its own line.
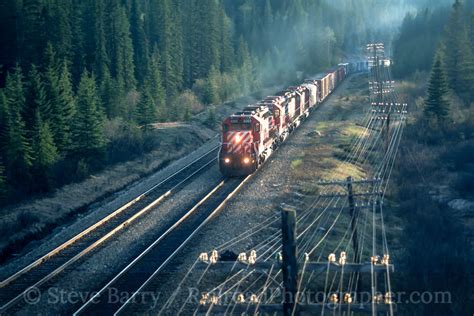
(249,137)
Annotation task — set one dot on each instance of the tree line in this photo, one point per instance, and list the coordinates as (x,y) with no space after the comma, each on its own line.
(438,151)
(79,79)
(453,67)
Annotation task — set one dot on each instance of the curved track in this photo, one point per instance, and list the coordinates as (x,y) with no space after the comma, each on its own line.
(133,278)
(13,288)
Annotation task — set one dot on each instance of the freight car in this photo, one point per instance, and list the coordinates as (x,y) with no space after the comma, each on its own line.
(250,136)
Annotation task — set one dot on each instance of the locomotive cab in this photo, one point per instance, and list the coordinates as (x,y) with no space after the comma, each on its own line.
(243,138)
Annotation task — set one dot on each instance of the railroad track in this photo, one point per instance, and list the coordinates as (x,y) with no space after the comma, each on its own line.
(14,288)
(135,276)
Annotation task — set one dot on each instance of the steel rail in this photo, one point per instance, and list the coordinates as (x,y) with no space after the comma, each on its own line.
(104,238)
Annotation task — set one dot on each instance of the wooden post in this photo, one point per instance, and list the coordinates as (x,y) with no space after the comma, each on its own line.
(355,237)
(352,212)
(289,266)
(387,132)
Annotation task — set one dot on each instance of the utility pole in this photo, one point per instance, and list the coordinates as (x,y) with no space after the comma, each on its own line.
(352,212)
(377,56)
(290,269)
(289,265)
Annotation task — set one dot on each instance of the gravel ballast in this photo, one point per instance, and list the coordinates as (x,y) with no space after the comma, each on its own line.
(275,183)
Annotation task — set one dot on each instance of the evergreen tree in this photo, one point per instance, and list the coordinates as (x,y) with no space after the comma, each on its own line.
(66,108)
(154,86)
(153,80)
(211,119)
(146,110)
(102,61)
(453,43)
(466,73)
(436,103)
(18,152)
(211,93)
(227,55)
(52,71)
(140,41)
(15,90)
(471,31)
(112,95)
(59,28)
(245,63)
(36,100)
(4,118)
(87,136)
(122,48)
(166,33)
(45,153)
(3,183)
(32,32)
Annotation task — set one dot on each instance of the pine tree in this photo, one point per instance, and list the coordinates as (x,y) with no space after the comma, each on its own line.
(51,75)
(59,29)
(87,136)
(245,63)
(32,32)
(146,110)
(140,41)
(15,89)
(66,109)
(211,119)
(471,31)
(112,95)
(17,150)
(4,118)
(436,103)
(453,43)
(45,153)
(122,48)
(211,95)
(101,58)
(227,55)
(167,34)
(36,100)
(3,183)
(466,74)
(153,80)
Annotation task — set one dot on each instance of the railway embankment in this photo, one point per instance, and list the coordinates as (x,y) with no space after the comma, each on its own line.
(315,151)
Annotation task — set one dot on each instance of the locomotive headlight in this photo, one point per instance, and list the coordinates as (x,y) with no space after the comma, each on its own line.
(246,160)
(238,138)
(227,160)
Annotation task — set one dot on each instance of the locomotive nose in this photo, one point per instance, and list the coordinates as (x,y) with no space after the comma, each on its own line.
(238,138)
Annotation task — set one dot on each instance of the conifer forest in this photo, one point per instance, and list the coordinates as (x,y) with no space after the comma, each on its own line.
(99,97)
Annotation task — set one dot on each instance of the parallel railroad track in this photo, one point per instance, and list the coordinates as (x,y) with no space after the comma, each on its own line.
(14,288)
(135,277)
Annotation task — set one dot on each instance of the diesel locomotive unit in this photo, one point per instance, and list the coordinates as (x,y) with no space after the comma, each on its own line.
(249,137)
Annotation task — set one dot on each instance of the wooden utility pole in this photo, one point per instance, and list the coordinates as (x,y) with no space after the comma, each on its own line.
(289,265)
(352,212)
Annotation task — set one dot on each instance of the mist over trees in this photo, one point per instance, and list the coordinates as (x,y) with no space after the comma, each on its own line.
(72,69)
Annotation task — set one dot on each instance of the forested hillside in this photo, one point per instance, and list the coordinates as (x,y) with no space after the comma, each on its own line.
(81,77)
(434,182)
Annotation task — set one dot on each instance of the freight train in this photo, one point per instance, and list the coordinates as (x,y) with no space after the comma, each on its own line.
(250,136)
